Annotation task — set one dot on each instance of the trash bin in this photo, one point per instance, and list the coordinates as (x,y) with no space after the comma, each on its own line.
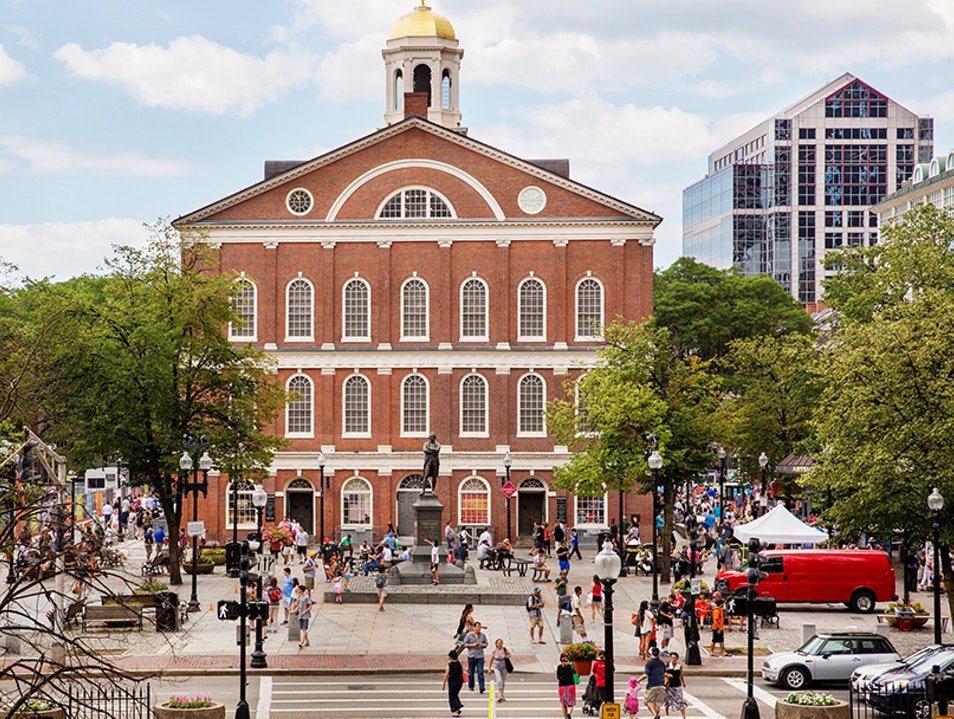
(167,611)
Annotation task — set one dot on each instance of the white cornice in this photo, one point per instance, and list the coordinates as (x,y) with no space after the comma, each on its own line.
(414,358)
(347,462)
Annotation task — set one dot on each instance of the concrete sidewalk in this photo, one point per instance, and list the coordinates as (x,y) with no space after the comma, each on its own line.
(415,637)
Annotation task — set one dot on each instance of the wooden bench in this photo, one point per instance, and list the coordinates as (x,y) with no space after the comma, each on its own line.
(113,615)
(75,611)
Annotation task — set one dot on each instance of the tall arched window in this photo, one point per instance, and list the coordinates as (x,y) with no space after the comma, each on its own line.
(298,413)
(357,406)
(531,311)
(356,323)
(240,509)
(244,301)
(422,81)
(473,406)
(398,90)
(474,502)
(446,90)
(473,310)
(356,503)
(298,310)
(589,309)
(414,310)
(414,406)
(531,398)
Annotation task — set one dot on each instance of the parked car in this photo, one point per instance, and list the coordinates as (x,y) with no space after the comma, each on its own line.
(901,691)
(860,578)
(862,677)
(827,658)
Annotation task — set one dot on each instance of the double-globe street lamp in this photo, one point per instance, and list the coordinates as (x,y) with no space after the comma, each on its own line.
(321,508)
(763,468)
(608,566)
(259,500)
(186,465)
(507,462)
(655,463)
(935,502)
(721,484)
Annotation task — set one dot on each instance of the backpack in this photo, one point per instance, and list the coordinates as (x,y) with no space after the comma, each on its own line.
(381,581)
(530,602)
(274,595)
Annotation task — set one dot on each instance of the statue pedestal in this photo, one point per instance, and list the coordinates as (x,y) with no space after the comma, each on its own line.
(429,526)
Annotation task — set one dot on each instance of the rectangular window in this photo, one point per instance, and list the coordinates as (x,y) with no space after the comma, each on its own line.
(474,507)
(905,133)
(357,509)
(590,510)
(806,133)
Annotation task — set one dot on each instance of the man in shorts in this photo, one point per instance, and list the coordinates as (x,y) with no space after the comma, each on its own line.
(576,610)
(655,675)
(535,613)
(435,561)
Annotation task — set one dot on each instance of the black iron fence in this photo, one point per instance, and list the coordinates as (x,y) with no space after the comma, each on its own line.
(901,702)
(94,700)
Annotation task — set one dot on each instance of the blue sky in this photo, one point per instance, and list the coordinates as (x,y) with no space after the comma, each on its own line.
(118,112)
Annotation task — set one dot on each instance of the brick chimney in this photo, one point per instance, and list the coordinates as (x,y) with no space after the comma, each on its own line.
(415,103)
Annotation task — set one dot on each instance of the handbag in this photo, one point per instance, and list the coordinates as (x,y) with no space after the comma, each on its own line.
(464,676)
(509,665)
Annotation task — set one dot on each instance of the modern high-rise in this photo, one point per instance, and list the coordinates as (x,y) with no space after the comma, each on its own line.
(802,182)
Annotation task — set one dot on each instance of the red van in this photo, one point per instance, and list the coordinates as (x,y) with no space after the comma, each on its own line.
(858,577)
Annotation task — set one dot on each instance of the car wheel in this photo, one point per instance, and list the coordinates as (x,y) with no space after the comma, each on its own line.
(863,601)
(921,709)
(794,678)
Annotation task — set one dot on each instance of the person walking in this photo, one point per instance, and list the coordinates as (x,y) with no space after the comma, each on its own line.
(718,627)
(566,685)
(288,591)
(302,608)
(535,614)
(499,661)
(435,561)
(664,622)
(644,628)
(381,583)
(631,702)
(560,586)
(575,545)
(274,596)
(475,642)
(563,557)
(466,624)
(675,681)
(309,569)
(453,681)
(576,610)
(655,675)
(596,598)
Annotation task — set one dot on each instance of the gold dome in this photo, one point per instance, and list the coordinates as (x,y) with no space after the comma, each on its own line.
(423,22)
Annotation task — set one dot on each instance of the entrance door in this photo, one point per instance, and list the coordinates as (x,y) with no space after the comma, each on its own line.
(530,509)
(407,494)
(300,504)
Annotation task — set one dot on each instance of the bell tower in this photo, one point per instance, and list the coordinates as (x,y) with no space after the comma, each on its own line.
(422,68)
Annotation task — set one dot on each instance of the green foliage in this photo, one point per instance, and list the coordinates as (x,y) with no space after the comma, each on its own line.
(153,587)
(581,650)
(813,699)
(189,702)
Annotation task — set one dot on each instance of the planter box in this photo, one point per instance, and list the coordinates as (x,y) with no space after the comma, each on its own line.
(144,598)
(200,568)
(218,559)
(216,711)
(784,710)
(906,624)
(58,713)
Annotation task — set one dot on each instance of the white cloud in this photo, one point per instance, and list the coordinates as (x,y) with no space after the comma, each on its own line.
(67,249)
(58,156)
(25,37)
(352,71)
(11,71)
(191,73)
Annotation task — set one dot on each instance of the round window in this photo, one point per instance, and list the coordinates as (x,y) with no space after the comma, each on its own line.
(299,202)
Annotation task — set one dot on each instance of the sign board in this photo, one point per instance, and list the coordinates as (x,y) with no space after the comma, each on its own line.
(610,711)
(696,585)
(561,510)
(270,508)
(508,489)
(195,529)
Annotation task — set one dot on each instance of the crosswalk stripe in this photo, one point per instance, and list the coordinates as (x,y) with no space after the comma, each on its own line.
(759,693)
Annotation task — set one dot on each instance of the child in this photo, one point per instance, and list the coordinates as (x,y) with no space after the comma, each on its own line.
(631,703)
(346,573)
(339,588)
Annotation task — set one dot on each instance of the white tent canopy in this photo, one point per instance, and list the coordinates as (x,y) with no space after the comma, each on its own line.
(780,527)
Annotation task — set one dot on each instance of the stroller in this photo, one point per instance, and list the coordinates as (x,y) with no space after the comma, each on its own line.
(592,697)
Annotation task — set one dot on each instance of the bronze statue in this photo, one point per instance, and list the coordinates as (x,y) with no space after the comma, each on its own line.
(432,462)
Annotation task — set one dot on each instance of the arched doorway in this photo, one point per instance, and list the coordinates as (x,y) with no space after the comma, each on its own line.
(407,493)
(300,503)
(531,505)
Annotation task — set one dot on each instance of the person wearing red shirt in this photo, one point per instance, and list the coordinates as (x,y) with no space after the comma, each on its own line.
(599,671)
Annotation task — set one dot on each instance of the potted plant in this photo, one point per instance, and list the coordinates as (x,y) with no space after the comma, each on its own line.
(145,593)
(811,705)
(38,709)
(906,623)
(682,586)
(216,554)
(189,707)
(203,566)
(582,655)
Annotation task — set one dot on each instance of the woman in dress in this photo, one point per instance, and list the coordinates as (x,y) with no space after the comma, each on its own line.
(498,662)
(675,681)
(453,681)
(644,628)
(465,624)
(567,686)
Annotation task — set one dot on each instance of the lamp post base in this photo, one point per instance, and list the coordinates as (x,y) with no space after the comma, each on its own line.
(258,659)
(241,711)
(750,709)
(193,605)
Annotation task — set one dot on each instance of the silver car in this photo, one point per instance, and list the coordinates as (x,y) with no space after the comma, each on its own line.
(827,658)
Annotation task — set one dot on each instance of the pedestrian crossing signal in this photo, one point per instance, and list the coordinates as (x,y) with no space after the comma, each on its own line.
(229,610)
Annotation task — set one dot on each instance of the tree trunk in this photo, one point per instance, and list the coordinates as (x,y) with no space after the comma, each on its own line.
(170,499)
(666,567)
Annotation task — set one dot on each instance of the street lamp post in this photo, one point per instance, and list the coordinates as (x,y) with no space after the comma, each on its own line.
(655,462)
(321,508)
(259,500)
(763,467)
(187,464)
(608,566)
(693,654)
(721,484)
(935,503)
(507,461)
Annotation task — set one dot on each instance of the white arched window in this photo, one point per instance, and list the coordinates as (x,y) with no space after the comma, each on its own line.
(446,90)
(473,406)
(356,320)
(299,299)
(414,301)
(415,203)
(414,406)
(531,311)
(239,506)
(474,502)
(357,406)
(299,411)
(531,399)
(473,310)
(356,503)
(398,90)
(589,309)
(244,304)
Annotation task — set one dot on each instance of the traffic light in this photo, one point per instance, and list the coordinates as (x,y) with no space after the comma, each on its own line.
(233,557)
(755,575)
(245,559)
(258,610)
(764,607)
(229,610)
(737,605)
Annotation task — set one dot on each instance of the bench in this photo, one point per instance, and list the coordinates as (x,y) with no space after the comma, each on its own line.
(539,575)
(112,615)
(75,611)
(520,565)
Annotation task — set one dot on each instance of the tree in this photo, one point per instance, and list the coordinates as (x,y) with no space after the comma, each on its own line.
(705,309)
(139,358)
(886,418)
(638,387)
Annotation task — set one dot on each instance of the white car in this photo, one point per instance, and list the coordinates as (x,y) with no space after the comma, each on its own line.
(827,658)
